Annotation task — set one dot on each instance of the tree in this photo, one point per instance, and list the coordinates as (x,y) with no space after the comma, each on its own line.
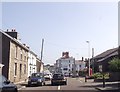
(114,65)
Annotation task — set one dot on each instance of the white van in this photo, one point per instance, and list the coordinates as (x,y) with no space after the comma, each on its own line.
(48,76)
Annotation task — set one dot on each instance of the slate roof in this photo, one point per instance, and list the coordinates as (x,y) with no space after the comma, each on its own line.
(107,53)
(113,54)
(13,39)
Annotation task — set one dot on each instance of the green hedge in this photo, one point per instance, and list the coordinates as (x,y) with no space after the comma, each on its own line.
(100,75)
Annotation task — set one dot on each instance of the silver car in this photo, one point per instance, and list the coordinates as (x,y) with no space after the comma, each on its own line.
(6,85)
(36,79)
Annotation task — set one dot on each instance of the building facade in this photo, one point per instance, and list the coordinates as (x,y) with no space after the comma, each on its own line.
(32,63)
(79,65)
(101,61)
(40,65)
(14,56)
(65,64)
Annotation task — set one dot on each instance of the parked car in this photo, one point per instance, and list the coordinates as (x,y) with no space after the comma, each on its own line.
(6,85)
(66,75)
(36,79)
(58,78)
(48,76)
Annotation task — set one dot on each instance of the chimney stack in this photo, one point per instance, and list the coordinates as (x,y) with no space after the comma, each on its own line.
(12,33)
(65,54)
(82,58)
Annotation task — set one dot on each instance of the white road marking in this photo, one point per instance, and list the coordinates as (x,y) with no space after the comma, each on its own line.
(81,81)
(59,87)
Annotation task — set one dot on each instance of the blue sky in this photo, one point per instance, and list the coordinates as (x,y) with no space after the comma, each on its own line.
(65,26)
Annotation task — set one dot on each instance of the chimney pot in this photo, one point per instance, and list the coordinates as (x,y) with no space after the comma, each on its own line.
(63,53)
(12,30)
(82,58)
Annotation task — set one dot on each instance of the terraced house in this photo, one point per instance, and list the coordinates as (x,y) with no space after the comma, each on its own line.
(14,56)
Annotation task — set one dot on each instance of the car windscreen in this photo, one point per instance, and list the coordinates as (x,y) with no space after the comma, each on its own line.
(36,75)
(2,78)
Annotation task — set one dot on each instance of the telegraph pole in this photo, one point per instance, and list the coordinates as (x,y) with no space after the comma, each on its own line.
(42,49)
(88,57)
(93,60)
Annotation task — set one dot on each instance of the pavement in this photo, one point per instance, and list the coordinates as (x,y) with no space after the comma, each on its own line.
(109,86)
(21,85)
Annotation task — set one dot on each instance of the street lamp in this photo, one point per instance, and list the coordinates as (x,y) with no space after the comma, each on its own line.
(88,57)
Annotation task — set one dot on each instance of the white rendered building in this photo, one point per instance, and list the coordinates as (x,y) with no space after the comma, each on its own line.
(80,65)
(32,60)
(65,64)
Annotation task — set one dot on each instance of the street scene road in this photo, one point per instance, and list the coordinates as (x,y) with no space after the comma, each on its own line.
(59,46)
(72,84)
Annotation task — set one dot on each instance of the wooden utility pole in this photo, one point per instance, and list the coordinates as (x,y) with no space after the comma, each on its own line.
(42,49)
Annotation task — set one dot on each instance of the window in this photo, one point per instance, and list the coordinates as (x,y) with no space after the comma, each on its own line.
(20,70)
(30,72)
(16,48)
(24,68)
(69,65)
(15,69)
(100,68)
(65,69)
(24,58)
(21,54)
(80,66)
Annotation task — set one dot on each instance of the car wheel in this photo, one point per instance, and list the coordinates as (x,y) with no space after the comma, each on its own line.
(40,84)
(44,83)
(65,83)
(52,84)
(29,84)
(16,90)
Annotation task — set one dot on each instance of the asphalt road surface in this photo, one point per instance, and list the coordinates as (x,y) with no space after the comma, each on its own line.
(73,84)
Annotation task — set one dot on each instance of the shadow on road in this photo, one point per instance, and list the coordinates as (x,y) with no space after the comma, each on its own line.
(26,85)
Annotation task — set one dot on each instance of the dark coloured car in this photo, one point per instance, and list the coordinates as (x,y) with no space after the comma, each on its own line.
(58,79)
(6,85)
(36,79)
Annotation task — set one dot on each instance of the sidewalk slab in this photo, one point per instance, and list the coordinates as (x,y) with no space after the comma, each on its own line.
(21,85)
(108,89)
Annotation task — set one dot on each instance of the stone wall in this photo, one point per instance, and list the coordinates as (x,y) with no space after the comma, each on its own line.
(19,77)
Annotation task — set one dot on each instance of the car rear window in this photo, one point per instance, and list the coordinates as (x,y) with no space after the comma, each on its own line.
(56,76)
(36,75)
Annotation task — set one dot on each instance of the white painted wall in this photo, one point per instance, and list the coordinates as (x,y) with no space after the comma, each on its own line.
(32,68)
(80,65)
(65,65)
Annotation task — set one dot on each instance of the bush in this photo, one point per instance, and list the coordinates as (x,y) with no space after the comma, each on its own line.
(82,73)
(100,75)
(114,65)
